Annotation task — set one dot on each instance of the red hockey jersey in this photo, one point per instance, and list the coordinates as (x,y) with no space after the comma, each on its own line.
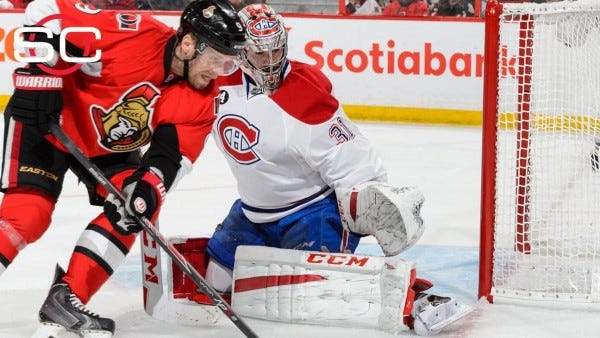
(109,104)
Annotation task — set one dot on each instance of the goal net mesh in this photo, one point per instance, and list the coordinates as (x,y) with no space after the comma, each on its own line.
(547,198)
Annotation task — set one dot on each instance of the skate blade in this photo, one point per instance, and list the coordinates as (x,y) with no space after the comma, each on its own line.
(462,311)
(95,334)
(53,330)
(49,330)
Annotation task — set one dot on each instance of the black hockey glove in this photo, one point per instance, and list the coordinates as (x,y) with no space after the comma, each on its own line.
(145,193)
(37,98)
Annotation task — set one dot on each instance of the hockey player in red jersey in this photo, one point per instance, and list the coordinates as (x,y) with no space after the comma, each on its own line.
(110,109)
(310,186)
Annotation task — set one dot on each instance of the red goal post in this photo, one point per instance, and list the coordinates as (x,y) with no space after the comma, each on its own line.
(540,204)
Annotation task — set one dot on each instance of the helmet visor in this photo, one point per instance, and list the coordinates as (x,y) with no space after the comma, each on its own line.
(221,64)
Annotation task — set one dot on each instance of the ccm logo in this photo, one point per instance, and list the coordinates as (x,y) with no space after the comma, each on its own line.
(322,258)
(150,258)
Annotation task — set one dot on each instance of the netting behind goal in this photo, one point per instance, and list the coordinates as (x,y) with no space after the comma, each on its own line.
(540,226)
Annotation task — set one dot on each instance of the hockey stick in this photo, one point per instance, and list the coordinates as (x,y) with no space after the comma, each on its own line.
(150,229)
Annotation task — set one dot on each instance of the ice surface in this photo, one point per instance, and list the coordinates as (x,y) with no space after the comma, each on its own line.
(444,161)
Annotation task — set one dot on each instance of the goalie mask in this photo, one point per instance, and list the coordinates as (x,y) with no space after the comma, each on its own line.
(264,56)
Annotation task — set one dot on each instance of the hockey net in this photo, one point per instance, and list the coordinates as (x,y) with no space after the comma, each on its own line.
(540,219)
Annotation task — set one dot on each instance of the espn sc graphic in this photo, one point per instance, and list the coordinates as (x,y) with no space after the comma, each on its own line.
(43,52)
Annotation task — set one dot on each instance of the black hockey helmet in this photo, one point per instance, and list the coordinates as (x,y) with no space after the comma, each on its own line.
(214,22)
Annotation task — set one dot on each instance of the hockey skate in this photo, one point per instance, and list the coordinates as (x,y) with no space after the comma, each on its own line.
(432,313)
(62,311)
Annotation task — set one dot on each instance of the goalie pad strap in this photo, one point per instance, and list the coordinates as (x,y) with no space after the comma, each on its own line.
(322,288)
(353,202)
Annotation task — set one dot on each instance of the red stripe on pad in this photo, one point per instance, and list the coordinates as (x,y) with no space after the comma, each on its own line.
(353,197)
(263,282)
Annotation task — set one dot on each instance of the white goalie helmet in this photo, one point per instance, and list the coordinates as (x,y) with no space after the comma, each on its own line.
(265,54)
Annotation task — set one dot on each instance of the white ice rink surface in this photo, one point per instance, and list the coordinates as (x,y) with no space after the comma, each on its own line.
(443,161)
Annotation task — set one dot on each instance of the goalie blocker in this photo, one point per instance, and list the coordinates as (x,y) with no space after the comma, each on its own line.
(308,287)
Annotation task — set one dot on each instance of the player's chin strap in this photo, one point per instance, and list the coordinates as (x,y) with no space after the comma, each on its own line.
(151,230)
(186,65)
(200,47)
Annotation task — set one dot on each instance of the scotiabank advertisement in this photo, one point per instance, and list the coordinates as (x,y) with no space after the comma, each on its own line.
(425,64)
(372,63)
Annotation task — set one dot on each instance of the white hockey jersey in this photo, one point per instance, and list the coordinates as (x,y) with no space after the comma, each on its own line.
(292,148)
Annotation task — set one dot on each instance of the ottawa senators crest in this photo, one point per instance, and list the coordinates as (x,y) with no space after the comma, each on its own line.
(126,125)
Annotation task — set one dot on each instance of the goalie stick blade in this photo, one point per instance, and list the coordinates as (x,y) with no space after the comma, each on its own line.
(53,330)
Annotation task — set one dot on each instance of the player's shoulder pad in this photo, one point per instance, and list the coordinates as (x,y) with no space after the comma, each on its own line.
(180,103)
(305,94)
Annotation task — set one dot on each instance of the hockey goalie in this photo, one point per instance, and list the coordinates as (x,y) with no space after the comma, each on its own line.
(311,186)
(309,287)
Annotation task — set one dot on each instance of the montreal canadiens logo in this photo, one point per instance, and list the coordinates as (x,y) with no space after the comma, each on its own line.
(264,27)
(238,137)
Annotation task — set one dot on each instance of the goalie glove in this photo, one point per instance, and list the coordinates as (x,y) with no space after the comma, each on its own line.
(145,193)
(37,98)
(392,215)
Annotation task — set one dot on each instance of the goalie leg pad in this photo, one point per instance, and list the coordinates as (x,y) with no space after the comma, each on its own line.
(313,287)
(194,251)
(169,294)
(391,215)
